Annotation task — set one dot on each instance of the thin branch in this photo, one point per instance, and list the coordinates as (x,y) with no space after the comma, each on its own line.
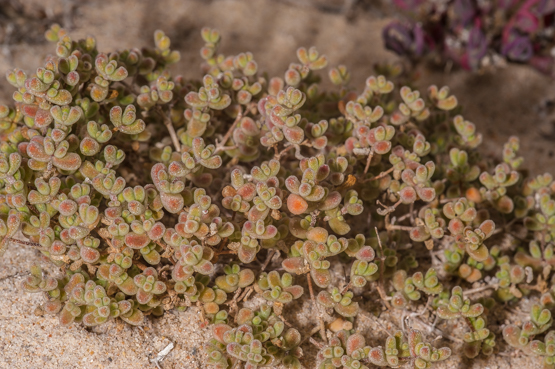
(382,267)
(346,288)
(224,148)
(278,155)
(312,332)
(11,276)
(268,259)
(320,322)
(439,331)
(381,175)
(245,293)
(393,227)
(285,321)
(25,243)
(388,209)
(480,289)
(169,125)
(220,144)
(370,156)
(316,343)
(403,217)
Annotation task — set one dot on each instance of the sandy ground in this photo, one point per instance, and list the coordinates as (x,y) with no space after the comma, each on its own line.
(503,103)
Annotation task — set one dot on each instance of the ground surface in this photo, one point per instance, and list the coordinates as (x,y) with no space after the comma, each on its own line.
(503,103)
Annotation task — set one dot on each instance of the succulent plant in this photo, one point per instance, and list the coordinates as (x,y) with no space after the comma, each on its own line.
(152,192)
(280,289)
(342,303)
(458,31)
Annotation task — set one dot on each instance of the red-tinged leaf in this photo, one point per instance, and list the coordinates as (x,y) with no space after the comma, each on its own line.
(36,151)
(61,97)
(218,331)
(244,317)
(324,298)
(153,257)
(30,110)
(366,253)
(57,248)
(426,194)
(294,265)
(382,147)
(408,195)
(157,231)
(355,342)
(135,318)
(67,207)
(136,241)
(90,320)
(246,254)
(246,278)
(296,204)
(42,118)
(89,255)
(292,183)
(143,297)
(377,356)
(320,142)
(331,201)
(398,301)
(419,234)
(254,214)
(322,277)
(293,134)
(295,291)
(77,233)
(113,212)
(488,226)
(89,147)
(66,317)
(181,272)
(70,162)
(204,267)
(318,234)
(348,311)
(456,226)
(172,202)
(511,334)
(52,306)
(119,74)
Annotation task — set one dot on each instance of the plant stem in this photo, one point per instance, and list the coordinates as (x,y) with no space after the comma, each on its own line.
(220,144)
(382,267)
(370,156)
(169,125)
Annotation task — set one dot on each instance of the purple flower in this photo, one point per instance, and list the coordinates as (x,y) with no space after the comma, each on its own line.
(404,39)
(543,64)
(476,48)
(545,7)
(526,22)
(407,4)
(464,11)
(517,48)
(506,4)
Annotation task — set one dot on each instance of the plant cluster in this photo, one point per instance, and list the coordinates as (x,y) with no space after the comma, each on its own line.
(152,193)
(473,34)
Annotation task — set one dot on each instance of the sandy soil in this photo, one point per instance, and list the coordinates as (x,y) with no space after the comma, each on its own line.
(501,103)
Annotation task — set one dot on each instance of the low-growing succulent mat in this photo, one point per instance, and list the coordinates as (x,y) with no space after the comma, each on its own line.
(501,103)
